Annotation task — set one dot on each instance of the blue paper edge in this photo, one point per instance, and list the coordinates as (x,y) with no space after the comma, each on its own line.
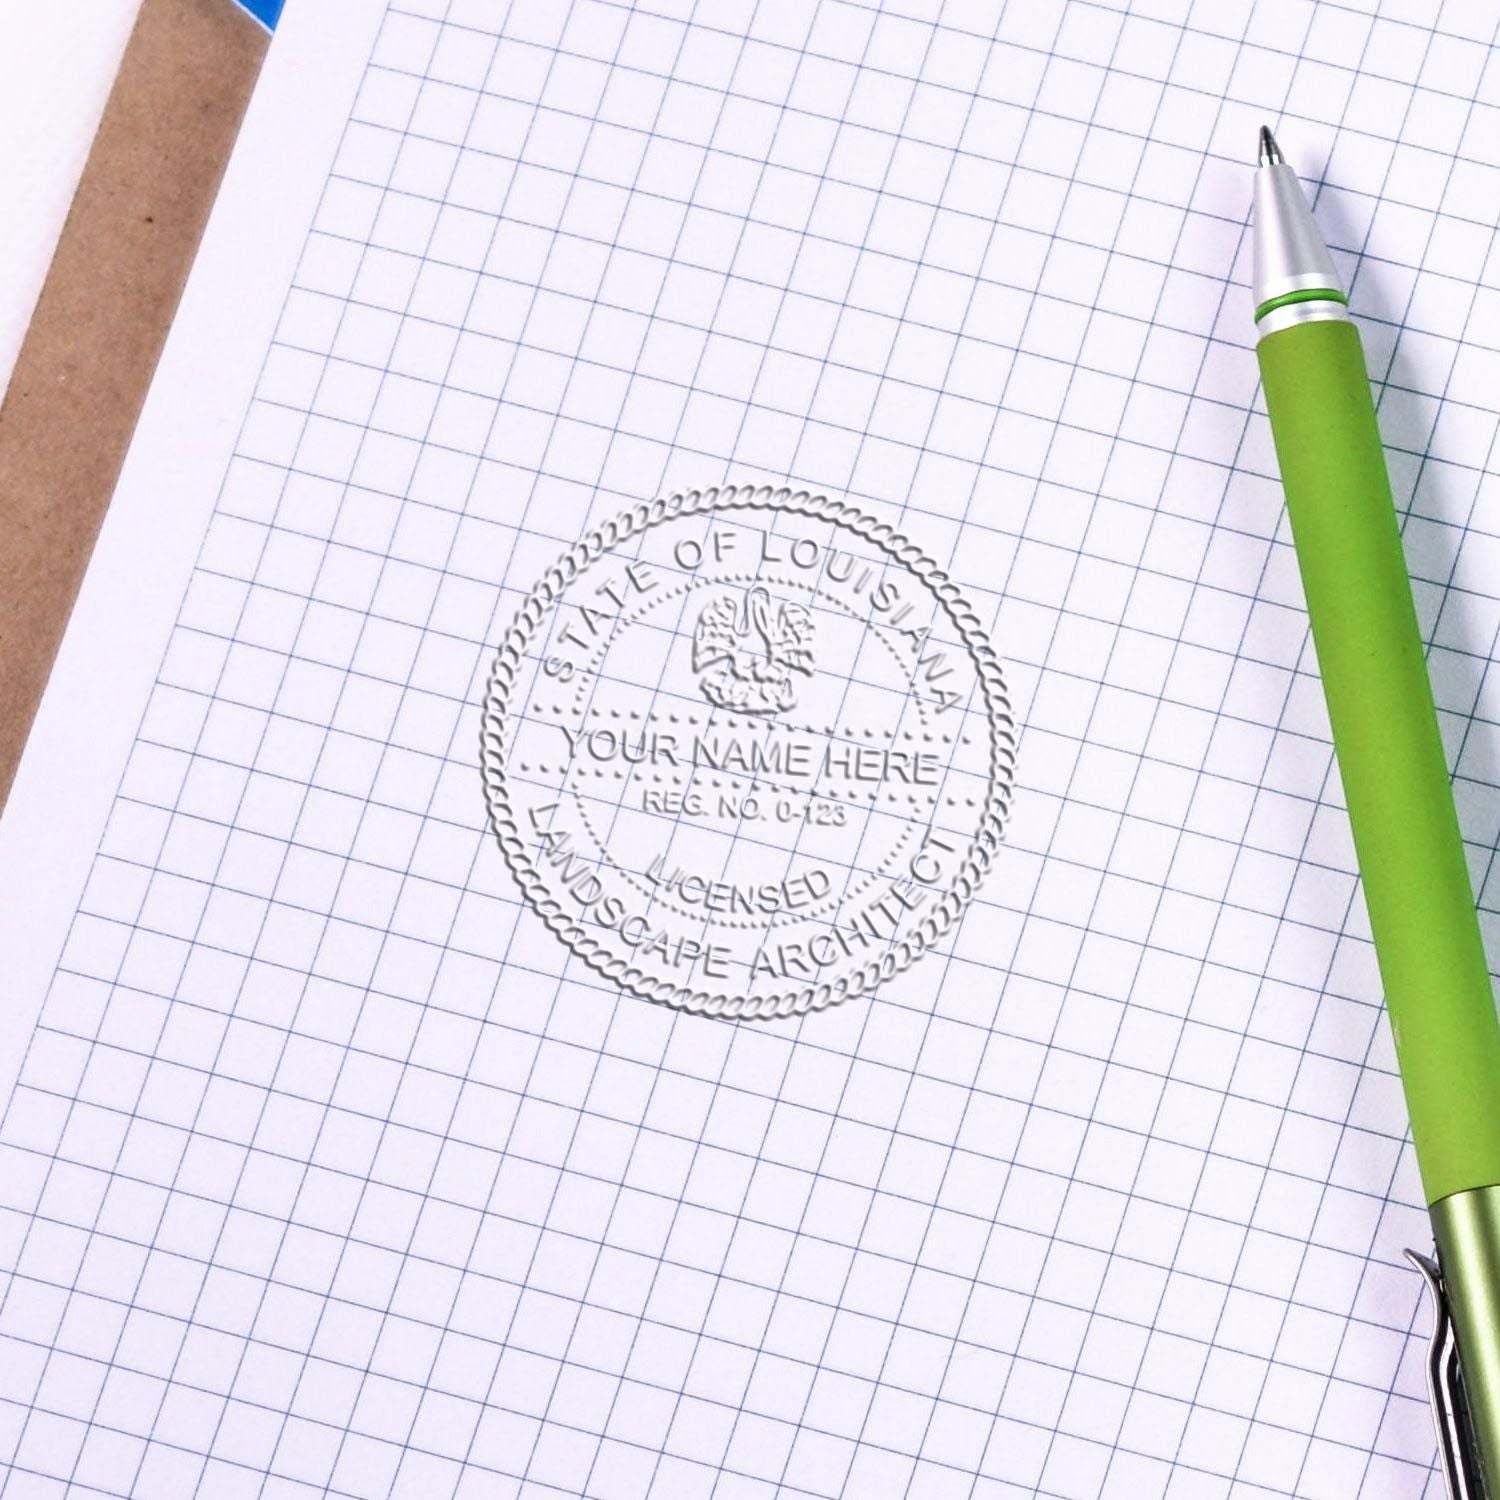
(267,12)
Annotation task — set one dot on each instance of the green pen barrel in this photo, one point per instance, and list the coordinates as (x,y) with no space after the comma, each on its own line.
(1390,754)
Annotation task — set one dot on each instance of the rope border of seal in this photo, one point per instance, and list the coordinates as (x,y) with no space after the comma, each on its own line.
(493,745)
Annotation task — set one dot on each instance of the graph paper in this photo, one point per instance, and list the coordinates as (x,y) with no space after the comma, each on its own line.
(329,1169)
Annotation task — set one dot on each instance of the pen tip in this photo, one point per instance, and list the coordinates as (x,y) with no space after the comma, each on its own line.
(1269,153)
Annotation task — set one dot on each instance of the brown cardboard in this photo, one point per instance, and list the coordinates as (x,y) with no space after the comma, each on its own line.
(102,317)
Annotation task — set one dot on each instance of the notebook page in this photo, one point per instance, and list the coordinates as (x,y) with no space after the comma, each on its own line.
(330,1169)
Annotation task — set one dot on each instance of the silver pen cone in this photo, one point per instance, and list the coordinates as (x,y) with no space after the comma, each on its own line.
(1294,279)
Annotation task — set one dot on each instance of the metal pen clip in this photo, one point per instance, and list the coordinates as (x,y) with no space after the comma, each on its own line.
(1445,1384)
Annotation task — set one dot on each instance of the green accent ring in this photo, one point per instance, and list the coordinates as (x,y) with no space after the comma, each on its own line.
(1307,294)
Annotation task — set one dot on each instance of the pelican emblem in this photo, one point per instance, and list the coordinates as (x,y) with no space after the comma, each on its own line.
(745,650)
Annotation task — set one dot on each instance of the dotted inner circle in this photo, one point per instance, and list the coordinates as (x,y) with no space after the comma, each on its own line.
(869,878)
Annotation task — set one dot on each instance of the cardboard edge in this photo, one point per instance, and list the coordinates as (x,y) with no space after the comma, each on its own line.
(102,318)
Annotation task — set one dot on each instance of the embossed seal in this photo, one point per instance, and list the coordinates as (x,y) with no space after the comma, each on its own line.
(747,751)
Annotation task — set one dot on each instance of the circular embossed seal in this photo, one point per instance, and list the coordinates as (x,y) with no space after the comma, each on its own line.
(747,751)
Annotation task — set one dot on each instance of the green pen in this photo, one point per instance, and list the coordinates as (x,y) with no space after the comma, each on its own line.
(1396,783)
